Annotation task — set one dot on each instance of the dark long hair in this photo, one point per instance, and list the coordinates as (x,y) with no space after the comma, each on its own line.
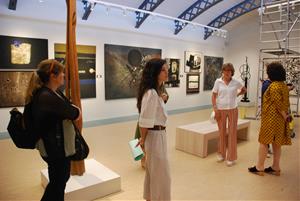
(276,72)
(149,79)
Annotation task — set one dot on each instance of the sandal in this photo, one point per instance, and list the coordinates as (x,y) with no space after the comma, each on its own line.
(270,170)
(256,171)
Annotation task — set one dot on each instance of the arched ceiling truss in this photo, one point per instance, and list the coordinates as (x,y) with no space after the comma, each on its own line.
(231,14)
(148,5)
(194,11)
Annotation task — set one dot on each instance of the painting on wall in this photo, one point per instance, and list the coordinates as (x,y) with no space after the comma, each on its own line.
(212,71)
(192,83)
(173,72)
(86,67)
(192,62)
(13,87)
(18,53)
(123,68)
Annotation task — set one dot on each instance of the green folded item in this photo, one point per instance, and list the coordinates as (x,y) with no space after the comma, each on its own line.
(137,132)
(136,151)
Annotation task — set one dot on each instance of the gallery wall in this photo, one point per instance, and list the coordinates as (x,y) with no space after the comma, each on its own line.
(99,109)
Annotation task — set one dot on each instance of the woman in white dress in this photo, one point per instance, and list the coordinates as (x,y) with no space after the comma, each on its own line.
(152,123)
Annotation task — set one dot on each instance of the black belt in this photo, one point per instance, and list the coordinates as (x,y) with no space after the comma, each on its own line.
(157,128)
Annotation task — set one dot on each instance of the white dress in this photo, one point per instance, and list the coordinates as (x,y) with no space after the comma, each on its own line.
(157,184)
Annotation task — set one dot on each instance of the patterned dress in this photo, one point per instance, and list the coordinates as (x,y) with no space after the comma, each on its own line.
(274,129)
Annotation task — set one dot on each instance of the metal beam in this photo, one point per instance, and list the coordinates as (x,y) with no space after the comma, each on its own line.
(231,14)
(148,5)
(12,4)
(194,11)
(88,8)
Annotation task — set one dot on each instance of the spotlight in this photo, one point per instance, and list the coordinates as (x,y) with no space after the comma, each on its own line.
(124,12)
(107,10)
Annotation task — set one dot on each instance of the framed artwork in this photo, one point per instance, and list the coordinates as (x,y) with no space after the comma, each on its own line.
(123,67)
(86,67)
(192,83)
(212,71)
(13,86)
(18,53)
(173,72)
(192,62)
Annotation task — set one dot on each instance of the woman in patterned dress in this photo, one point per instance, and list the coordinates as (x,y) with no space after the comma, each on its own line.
(274,120)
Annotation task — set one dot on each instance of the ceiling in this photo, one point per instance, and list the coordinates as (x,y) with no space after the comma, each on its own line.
(55,10)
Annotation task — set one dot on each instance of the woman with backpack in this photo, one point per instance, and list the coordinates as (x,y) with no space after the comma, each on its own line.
(49,108)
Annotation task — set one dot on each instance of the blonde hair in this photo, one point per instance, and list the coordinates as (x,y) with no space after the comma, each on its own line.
(228,66)
(42,75)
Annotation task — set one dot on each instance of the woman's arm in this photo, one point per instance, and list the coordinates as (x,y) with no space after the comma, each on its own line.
(144,133)
(214,103)
(51,103)
(242,91)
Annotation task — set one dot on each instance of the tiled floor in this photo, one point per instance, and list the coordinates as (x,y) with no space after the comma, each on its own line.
(193,178)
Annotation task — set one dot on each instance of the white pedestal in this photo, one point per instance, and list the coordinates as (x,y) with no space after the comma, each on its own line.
(98,181)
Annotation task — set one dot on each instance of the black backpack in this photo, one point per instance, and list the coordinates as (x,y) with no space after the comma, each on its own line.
(20,128)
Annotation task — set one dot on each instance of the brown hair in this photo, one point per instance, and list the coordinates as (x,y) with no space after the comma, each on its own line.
(41,77)
(228,66)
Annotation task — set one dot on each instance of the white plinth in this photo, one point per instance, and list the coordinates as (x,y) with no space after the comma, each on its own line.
(97,181)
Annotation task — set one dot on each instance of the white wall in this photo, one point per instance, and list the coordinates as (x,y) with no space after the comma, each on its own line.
(244,41)
(98,108)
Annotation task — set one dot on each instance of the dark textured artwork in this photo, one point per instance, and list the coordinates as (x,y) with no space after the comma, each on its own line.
(86,67)
(18,53)
(173,72)
(13,87)
(212,71)
(123,68)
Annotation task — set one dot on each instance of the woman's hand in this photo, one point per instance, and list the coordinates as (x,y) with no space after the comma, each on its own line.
(164,96)
(243,91)
(141,143)
(217,115)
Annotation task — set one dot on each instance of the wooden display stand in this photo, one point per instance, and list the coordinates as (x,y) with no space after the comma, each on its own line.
(193,138)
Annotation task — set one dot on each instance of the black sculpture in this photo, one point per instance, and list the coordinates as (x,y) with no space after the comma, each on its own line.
(245,75)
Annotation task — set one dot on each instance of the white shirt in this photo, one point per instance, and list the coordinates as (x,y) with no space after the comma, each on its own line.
(152,111)
(227,94)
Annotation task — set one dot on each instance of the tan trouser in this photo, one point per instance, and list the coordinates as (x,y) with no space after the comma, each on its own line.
(157,184)
(231,143)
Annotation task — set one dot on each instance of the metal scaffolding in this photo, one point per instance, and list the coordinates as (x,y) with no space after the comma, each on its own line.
(280,37)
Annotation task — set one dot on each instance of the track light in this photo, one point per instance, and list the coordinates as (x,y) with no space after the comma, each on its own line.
(107,10)
(124,12)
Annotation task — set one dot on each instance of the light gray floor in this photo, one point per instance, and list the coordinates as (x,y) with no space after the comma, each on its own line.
(193,178)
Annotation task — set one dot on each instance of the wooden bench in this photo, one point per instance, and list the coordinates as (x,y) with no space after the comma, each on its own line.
(193,138)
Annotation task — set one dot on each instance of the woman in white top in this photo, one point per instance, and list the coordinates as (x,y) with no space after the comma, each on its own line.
(152,123)
(224,100)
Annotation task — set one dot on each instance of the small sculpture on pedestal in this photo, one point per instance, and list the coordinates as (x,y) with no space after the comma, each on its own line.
(245,75)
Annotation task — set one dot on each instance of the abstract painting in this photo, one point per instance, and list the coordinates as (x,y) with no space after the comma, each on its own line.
(123,68)
(18,53)
(192,62)
(173,72)
(212,71)
(13,87)
(86,67)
